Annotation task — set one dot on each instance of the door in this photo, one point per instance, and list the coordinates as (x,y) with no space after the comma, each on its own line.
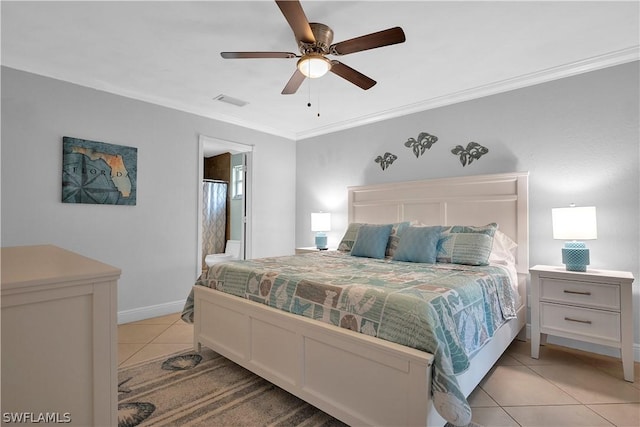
(240,215)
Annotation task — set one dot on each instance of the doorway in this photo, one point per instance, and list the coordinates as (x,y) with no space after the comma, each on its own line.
(232,161)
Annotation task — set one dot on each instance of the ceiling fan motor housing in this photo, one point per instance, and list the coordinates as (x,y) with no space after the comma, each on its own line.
(324,37)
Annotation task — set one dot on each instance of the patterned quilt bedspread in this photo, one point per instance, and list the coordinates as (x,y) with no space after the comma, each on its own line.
(448,310)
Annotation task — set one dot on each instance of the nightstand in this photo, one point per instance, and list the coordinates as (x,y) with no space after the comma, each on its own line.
(594,306)
(308,249)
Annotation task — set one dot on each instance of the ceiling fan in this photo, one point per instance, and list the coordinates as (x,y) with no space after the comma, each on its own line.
(315,43)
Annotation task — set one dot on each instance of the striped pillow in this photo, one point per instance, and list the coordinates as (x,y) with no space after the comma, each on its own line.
(469,245)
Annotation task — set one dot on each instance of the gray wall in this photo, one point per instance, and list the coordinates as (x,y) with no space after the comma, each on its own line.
(578,137)
(154,243)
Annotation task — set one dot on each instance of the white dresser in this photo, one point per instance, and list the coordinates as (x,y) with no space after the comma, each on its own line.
(594,306)
(59,337)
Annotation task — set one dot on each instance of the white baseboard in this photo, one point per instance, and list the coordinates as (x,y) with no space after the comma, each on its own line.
(593,348)
(142,313)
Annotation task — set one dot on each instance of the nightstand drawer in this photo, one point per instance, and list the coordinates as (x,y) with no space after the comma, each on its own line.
(562,320)
(586,294)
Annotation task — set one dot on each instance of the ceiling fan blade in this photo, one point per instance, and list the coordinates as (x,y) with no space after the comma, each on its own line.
(294,14)
(355,77)
(249,55)
(370,41)
(294,83)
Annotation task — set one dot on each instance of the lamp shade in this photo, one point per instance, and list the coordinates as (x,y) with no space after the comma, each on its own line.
(321,221)
(574,223)
(313,65)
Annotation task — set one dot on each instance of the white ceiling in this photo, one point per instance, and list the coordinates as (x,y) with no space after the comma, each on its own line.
(168,53)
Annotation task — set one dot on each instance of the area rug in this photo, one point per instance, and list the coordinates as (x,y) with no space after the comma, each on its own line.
(206,389)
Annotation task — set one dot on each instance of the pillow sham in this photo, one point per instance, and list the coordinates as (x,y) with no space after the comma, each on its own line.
(468,245)
(349,238)
(394,238)
(371,241)
(418,244)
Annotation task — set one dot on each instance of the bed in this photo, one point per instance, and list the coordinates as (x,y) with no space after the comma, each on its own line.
(360,367)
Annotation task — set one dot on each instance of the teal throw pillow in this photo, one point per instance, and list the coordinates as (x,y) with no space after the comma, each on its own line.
(418,244)
(349,238)
(371,241)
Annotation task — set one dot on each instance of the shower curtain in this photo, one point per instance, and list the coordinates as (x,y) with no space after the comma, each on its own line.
(214,217)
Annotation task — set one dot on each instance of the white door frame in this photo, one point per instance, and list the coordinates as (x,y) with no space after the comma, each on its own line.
(234,148)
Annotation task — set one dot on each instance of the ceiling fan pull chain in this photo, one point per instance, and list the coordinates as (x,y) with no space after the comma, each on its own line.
(309,97)
(309,92)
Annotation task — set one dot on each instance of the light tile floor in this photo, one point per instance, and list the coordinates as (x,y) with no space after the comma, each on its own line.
(147,339)
(564,387)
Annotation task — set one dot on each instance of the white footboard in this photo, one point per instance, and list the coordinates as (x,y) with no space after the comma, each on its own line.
(353,377)
(356,378)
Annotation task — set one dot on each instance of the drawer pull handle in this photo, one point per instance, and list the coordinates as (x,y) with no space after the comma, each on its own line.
(569,319)
(577,292)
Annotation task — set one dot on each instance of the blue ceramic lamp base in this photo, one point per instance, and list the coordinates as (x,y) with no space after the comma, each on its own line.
(575,256)
(321,241)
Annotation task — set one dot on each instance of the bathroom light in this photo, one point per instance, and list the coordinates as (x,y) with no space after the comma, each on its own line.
(575,223)
(314,65)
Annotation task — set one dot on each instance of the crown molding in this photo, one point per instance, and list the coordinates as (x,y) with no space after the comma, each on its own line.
(110,89)
(611,59)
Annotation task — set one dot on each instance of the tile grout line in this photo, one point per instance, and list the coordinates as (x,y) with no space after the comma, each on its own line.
(144,345)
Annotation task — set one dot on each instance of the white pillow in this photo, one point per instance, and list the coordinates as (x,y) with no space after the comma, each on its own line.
(503,250)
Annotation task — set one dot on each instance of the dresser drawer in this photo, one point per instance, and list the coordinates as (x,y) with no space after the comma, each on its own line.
(586,294)
(563,320)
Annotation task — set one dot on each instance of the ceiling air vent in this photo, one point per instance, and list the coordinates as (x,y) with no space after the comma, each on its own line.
(230,100)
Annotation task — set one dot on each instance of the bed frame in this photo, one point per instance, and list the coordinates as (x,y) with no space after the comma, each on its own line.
(318,362)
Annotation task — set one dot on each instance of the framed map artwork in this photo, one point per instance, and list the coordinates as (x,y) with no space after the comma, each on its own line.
(98,173)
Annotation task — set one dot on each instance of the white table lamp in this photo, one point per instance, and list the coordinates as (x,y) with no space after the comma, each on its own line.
(575,224)
(321,222)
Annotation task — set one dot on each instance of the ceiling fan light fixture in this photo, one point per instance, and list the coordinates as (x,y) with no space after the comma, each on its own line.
(315,40)
(314,65)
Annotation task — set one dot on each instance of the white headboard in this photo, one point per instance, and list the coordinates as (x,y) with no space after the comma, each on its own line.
(469,200)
